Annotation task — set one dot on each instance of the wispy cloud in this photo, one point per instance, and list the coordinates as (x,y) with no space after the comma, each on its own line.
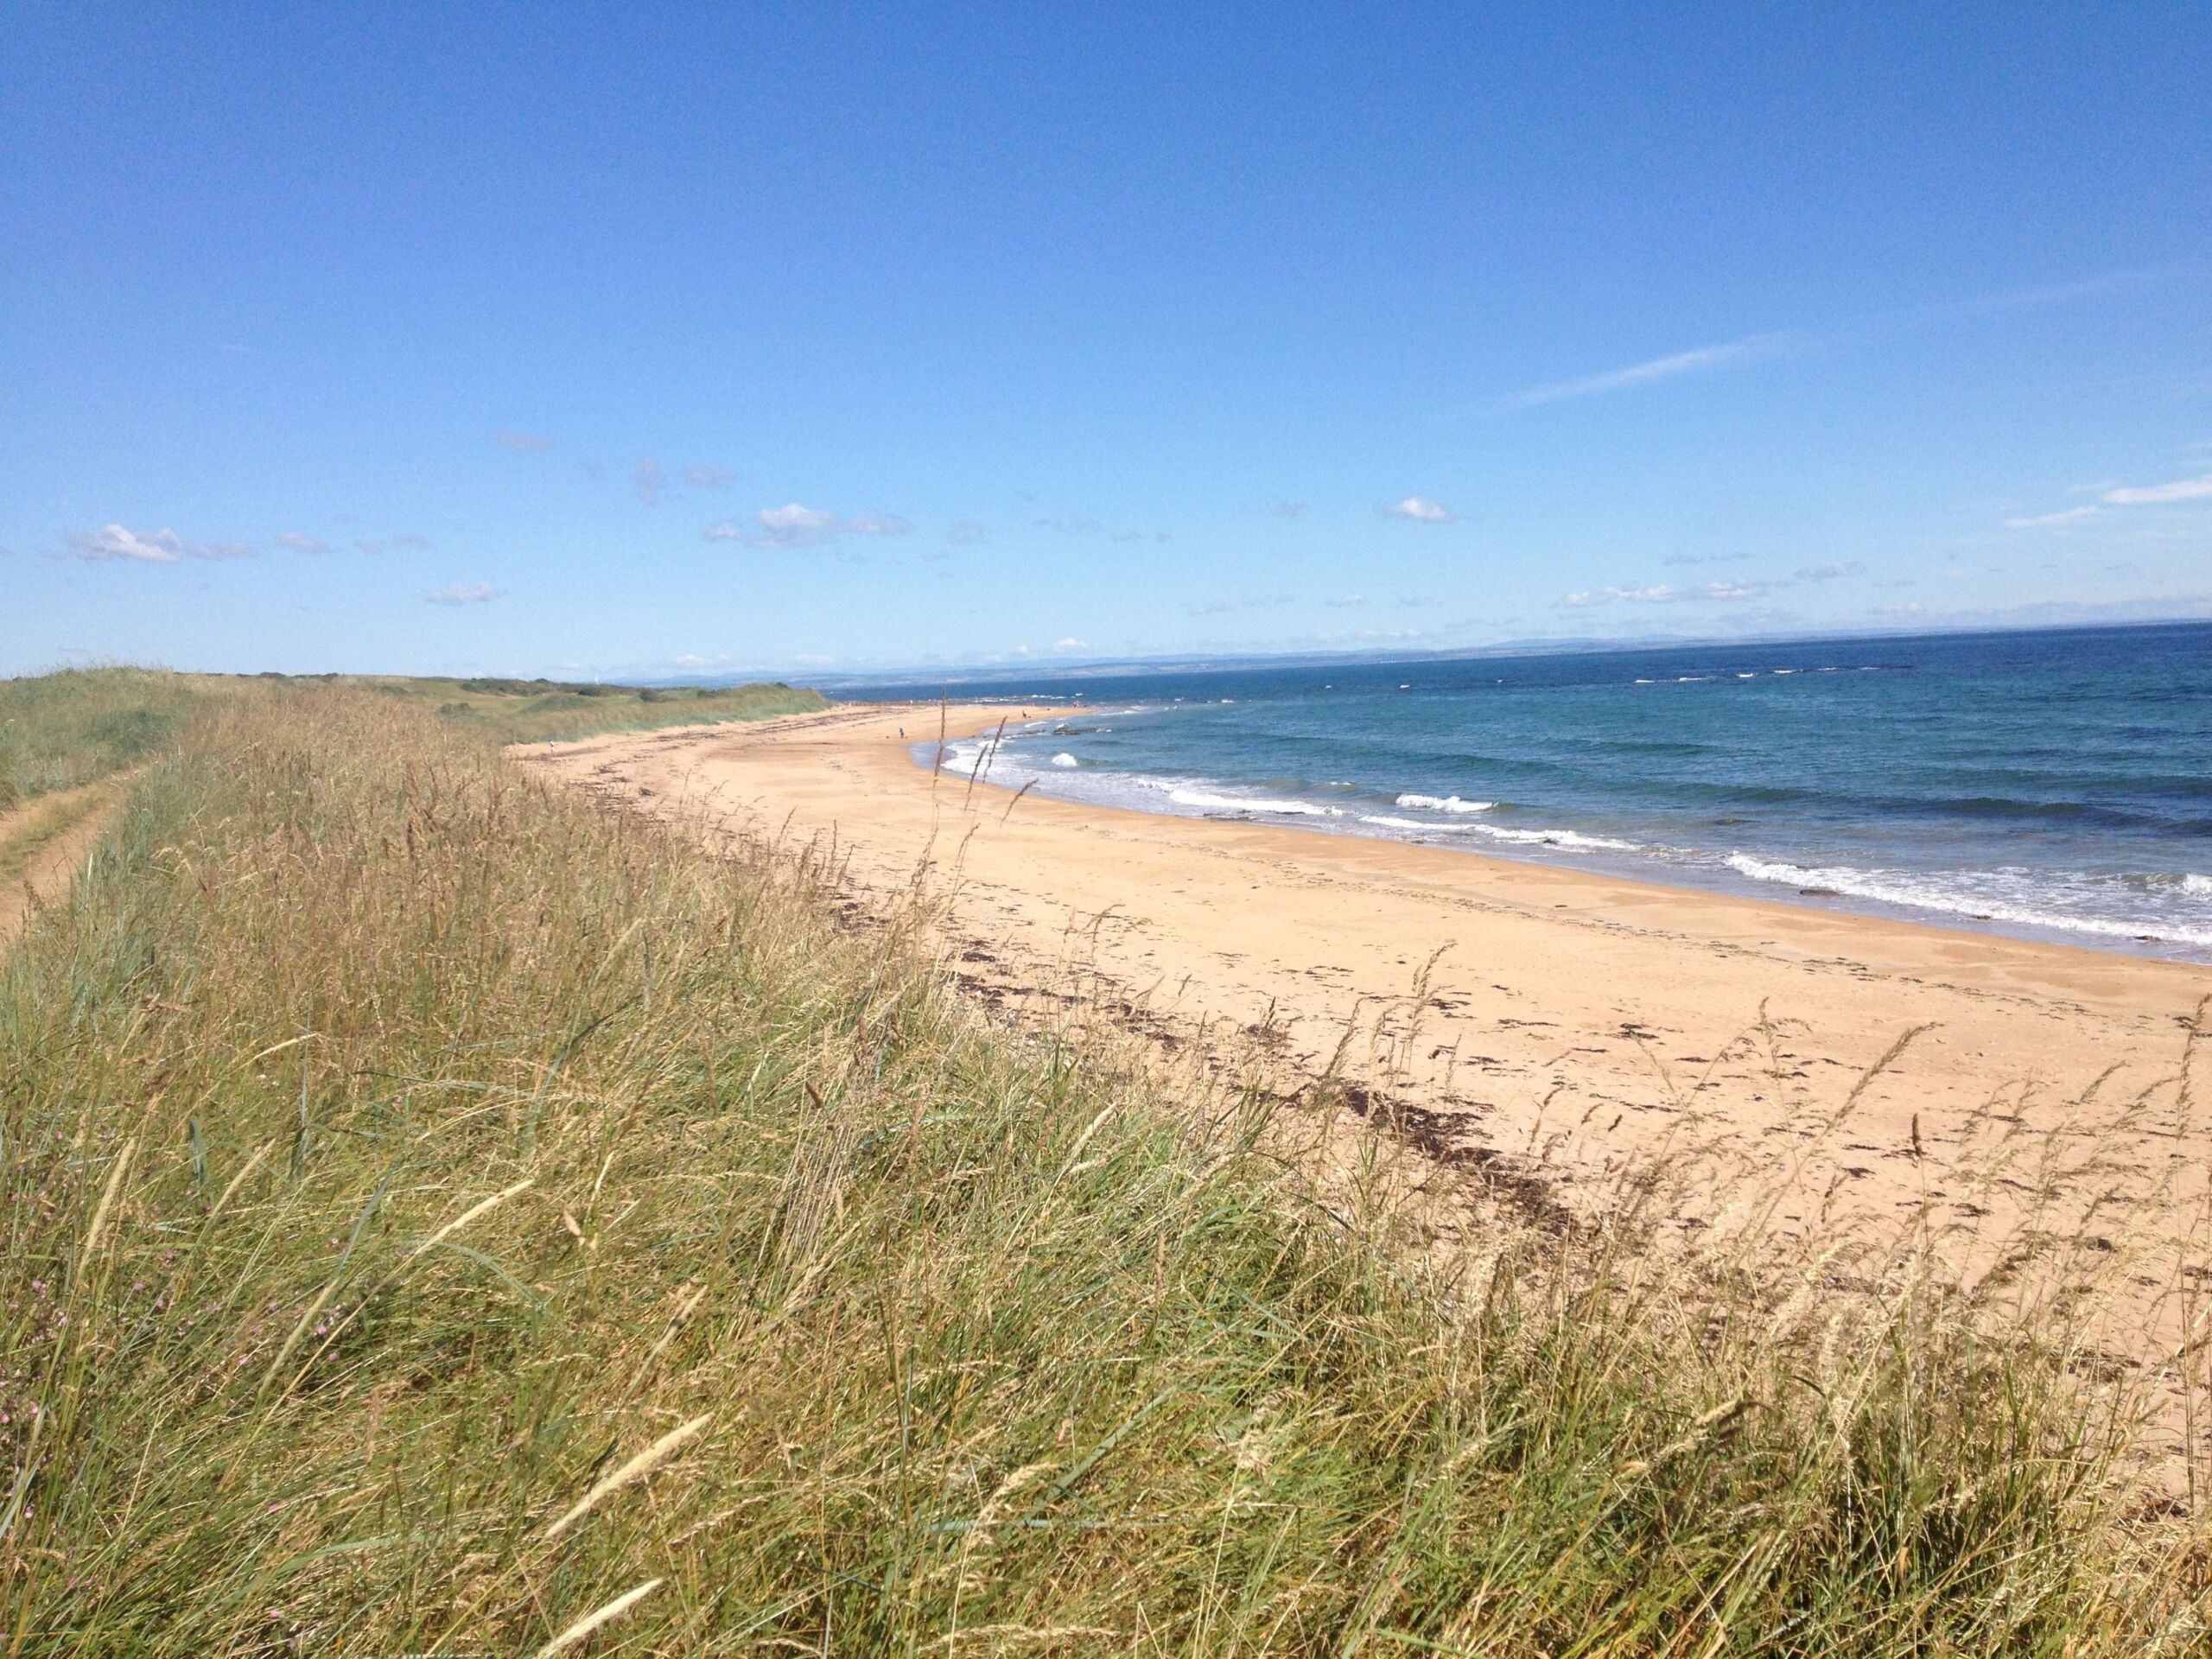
(1705,559)
(1420,508)
(1661,594)
(967,532)
(1729,354)
(1709,591)
(2181,489)
(709,478)
(794,525)
(370,547)
(1346,602)
(147,546)
(525,441)
(461,592)
(1069,643)
(2130,495)
(1223,606)
(1141,535)
(2038,521)
(409,538)
(647,479)
(1697,360)
(1277,506)
(299,544)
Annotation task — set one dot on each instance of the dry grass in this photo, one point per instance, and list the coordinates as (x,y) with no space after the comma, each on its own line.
(441,1216)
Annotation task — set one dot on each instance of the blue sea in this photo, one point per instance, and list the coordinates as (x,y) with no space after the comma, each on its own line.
(2053,786)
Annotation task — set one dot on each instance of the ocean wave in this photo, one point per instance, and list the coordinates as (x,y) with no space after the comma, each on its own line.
(1444,803)
(1064,759)
(1553,838)
(1389,823)
(2199,885)
(1250,803)
(1977,895)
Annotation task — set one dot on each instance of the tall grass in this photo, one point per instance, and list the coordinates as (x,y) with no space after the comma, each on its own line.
(59,730)
(442,1217)
(524,711)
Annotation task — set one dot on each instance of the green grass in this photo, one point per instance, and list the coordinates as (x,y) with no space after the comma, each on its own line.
(59,730)
(520,711)
(402,1160)
(62,729)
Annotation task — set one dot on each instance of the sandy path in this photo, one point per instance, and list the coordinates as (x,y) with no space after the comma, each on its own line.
(1571,1022)
(42,842)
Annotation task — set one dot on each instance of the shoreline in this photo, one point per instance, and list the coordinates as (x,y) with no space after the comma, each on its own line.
(1717,878)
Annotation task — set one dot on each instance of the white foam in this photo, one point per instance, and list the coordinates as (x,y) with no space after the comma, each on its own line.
(1389,823)
(1444,803)
(1250,803)
(2199,885)
(1553,838)
(1955,897)
(1064,759)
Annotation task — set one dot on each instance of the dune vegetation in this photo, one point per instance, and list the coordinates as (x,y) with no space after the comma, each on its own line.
(443,1216)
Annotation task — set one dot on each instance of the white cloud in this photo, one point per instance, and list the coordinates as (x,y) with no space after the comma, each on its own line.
(300,543)
(370,547)
(1069,643)
(1751,346)
(1828,572)
(709,478)
(793,526)
(1421,510)
(148,546)
(524,441)
(2038,521)
(1346,602)
(2181,489)
(647,479)
(461,592)
(2134,495)
(1640,374)
(1661,594)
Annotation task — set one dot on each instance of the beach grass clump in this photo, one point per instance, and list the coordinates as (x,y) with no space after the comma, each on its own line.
(442,1216)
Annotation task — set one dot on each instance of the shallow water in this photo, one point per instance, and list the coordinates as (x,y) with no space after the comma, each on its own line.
(2050,785)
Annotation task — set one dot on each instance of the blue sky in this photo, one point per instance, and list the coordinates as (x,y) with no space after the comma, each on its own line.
(667,340)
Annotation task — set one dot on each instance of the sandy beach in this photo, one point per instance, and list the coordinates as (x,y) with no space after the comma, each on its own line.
(1554,1024)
